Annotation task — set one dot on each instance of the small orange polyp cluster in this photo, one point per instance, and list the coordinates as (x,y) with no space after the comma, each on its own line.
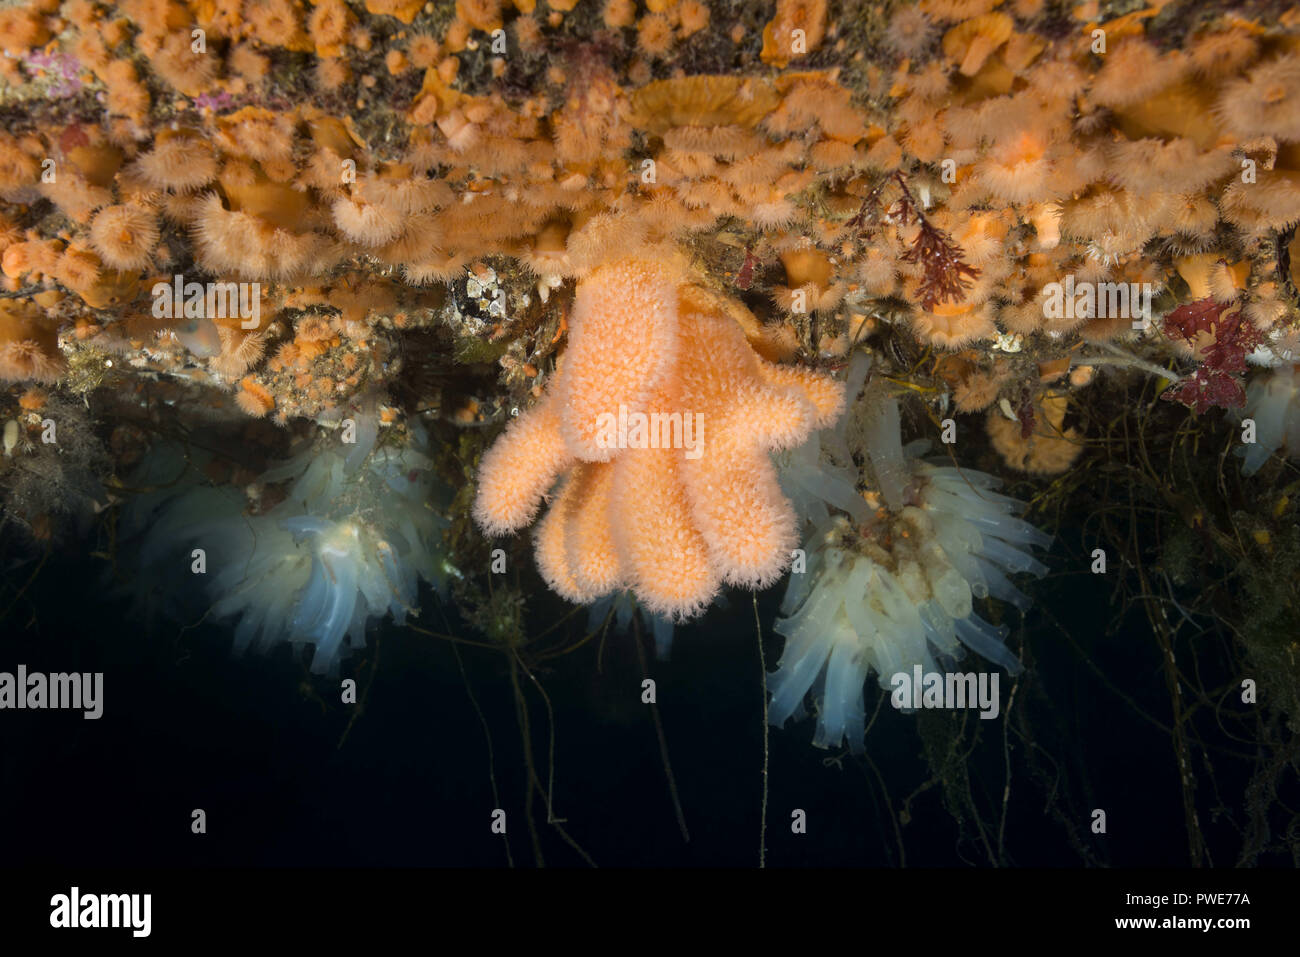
(28,344)
(1038,158)
(797,29)
(1048,450)
(1100,149)
(277,191)
(684,498)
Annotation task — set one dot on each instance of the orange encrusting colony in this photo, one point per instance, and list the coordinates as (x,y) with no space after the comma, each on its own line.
(1039,154)
(351,157)
(670,523)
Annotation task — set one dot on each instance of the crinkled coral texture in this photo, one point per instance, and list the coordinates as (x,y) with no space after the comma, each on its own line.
(671,523)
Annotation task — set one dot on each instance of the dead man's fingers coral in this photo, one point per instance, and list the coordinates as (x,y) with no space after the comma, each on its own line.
(660,382)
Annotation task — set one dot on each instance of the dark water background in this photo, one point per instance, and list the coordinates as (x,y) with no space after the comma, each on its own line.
(255,742)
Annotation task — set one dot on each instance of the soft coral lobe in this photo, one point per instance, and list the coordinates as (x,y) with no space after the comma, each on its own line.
(695,502)
(517,471)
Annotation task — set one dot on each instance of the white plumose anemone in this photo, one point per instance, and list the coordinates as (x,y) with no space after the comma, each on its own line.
(891,572)
(346,546)
(1273,401)
(623,611)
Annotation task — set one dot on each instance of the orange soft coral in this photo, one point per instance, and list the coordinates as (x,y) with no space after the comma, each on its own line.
(675,511)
